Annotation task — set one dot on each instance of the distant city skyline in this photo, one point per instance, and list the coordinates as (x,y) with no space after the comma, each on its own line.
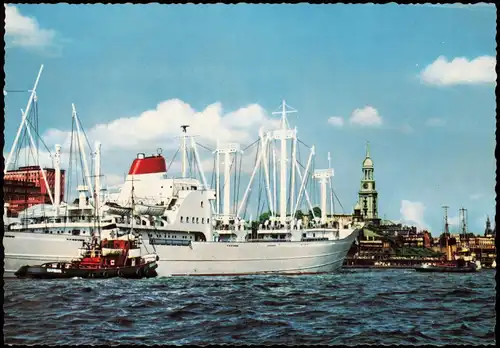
(417,82)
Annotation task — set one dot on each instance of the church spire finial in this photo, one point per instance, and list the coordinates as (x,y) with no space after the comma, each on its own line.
(367,149)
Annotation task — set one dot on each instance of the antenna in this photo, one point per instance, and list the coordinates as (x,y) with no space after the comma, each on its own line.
(332,208)
(463,214)
(283,112)
(445,207)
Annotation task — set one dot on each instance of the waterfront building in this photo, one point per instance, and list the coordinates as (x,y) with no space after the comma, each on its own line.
(25,187)
(417,240)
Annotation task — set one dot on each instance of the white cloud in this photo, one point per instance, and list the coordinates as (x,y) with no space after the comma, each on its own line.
(160,127)
(336,121)
(460,71)
(413,213)
(113,180)
(454,221)
(367,116)
(25,31)
(434,122)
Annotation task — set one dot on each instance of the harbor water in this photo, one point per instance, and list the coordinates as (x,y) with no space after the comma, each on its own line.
(351,307)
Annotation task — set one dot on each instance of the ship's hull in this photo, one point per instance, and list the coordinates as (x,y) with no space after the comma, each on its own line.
(248,258)
(24,248)
(146,270)
(194,259)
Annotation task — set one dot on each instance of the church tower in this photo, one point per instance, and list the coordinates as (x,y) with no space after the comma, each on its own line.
(368,194)
(488,231)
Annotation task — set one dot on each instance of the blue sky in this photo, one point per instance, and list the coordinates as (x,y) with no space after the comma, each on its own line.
(430,120)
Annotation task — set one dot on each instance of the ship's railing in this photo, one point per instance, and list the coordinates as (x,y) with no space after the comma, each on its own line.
(268,240)
(164,241)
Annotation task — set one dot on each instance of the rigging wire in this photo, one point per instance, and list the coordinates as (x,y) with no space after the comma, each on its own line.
(39,138)
(205,147)
(173,158)
(256,141)
(239,182)
(338,200)
(300,141)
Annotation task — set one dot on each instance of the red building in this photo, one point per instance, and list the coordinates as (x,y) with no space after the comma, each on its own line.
(25,187)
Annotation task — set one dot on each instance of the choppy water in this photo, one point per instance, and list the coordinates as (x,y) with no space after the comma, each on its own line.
(351,307)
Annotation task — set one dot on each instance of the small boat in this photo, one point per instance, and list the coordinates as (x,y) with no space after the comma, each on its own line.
(113,257)
(114,208)
(454,267)
(464,261)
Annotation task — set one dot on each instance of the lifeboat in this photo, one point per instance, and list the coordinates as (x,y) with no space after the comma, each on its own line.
(116,209)
(153,210)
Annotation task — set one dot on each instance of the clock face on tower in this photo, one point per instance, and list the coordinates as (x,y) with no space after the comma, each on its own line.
(365,185)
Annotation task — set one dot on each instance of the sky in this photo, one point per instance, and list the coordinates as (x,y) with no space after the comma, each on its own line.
(416,81)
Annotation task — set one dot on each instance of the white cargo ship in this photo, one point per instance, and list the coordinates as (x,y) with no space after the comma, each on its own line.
(180,220)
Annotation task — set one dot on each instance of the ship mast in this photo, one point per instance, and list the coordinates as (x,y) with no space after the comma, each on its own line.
(332,207)
(132,211)
(184,151)
(82,151)
(323,175)
(23,121)
(267,152)
(57,186)
(283,135)
(446,231)
(229,151)
(463,214)
(33,98)
(97,179)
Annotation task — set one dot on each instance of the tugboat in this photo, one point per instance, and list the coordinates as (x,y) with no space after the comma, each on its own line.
(463,261)
(114,256)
